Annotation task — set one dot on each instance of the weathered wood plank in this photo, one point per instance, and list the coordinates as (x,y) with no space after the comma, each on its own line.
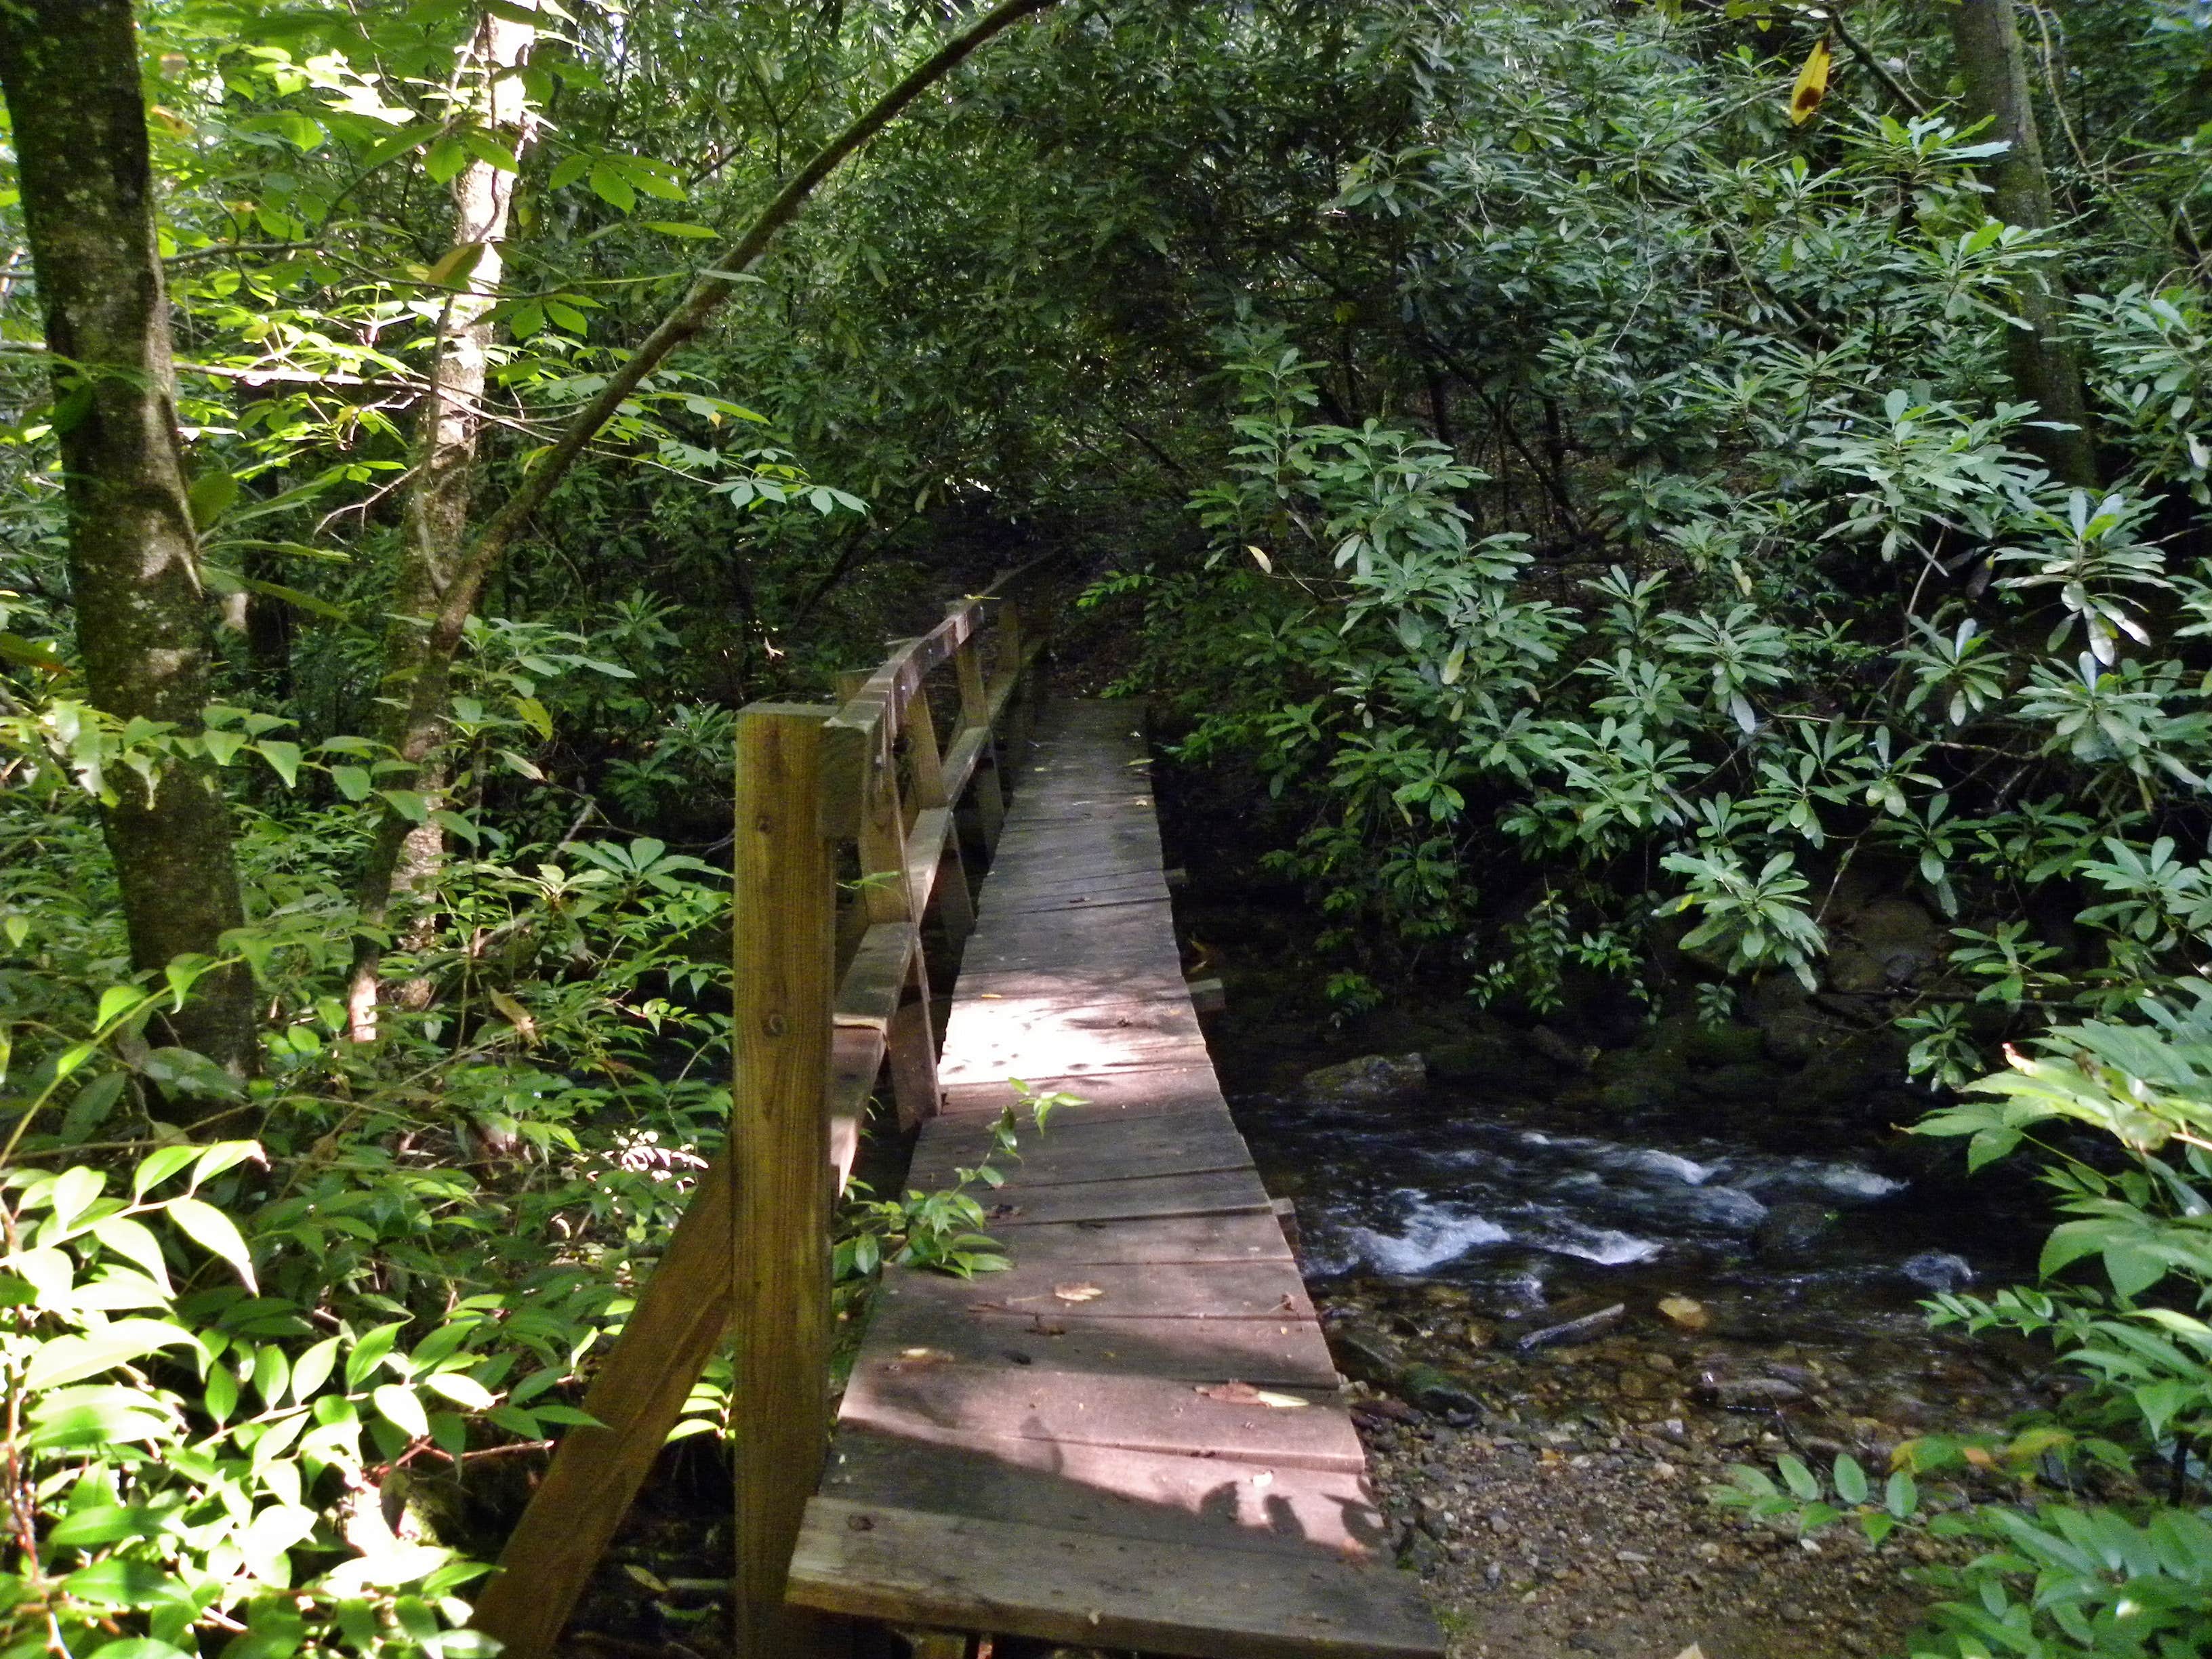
(1286,1353)
(1137,1092)
(1010,891)
(975,1405)
(878,976)
(1212,1192)
(1025,1580)
(1201,1501)
(1257,1289)
(1095,1150)
(1242,1237)
(1156,980)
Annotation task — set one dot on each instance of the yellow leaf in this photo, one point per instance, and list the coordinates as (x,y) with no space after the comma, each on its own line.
(1078,1293)
(516,1016)
(1811,85)
(455,266)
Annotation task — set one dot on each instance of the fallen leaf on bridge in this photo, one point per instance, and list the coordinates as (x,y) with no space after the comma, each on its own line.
(1244,1393)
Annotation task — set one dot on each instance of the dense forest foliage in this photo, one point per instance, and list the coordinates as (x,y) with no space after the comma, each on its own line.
(1632,483)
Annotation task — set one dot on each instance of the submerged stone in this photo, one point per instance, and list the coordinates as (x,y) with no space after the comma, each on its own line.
(1937,1270)
(1370,1080)
(1435,1389)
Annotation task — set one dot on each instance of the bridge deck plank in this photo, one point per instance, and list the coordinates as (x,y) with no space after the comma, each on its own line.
(1134,1437)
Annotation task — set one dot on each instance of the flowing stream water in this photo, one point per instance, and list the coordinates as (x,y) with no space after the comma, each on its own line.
(1531,1209)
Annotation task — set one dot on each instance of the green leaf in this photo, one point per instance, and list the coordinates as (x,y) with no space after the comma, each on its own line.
(135,1243)
(106,1523)
(224,1155)
(119,1582)
(676,227)
(29,654)
(222,747)
(1850,1480)
(270,1373)
(69,1359)
(215,1233)
(211,497)
(73,1192)
(461,1388)
(137,1647)
(353,781)
(2132,1269)
(655,182)
(407,804)
(1800,1480)
(92,1106)
(98,1416)
(487,149)
(568,1415)
(284,758)
(611,186)
(313,1369)
(1901,1497)
(448,156)
(115,1001)
(567,171)
(159,1166)
(399,1406)
(369,1352)
(221,1396)
(184,1071)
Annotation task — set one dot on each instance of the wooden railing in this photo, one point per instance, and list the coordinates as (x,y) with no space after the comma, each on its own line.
(858,798)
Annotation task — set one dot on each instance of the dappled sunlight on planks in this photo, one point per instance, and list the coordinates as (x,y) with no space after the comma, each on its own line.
(1134,1437)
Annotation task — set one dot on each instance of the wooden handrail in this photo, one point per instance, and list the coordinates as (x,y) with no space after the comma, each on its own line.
(815,1027)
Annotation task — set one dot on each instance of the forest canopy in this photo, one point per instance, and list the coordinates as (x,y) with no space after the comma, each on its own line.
(1630,484)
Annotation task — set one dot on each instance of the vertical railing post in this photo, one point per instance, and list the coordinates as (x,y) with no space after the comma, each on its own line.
(784,927)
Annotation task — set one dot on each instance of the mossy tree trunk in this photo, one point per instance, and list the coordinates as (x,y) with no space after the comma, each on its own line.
(70,70)
(1993,67)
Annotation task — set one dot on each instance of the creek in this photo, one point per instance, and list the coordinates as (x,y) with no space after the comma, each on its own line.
(1536,1208)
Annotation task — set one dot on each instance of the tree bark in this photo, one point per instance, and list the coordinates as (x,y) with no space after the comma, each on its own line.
(1993,66)
(70,68)
(418,726)
(435,516)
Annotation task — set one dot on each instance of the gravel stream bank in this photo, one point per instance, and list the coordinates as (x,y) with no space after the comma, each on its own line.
(1567,1513)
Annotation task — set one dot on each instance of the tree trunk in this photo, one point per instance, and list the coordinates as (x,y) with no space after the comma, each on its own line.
(70,68)
(421,724)
(1993,65)
(435,518)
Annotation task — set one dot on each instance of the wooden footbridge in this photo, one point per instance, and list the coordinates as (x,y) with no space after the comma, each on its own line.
(1132,1439)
